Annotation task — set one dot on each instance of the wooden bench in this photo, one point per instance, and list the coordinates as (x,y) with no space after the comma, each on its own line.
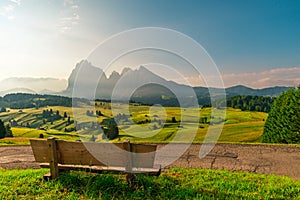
(60,155)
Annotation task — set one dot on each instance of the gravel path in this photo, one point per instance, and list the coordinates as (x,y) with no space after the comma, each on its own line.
(265,159)
(20,157)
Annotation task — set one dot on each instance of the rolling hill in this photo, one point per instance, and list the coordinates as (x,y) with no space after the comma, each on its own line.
(32,85)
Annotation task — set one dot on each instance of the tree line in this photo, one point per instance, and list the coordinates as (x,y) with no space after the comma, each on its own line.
(251,103)
(23,100)
(245,103)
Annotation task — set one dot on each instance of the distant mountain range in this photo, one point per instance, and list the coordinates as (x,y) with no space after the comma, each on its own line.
(140,85)
(32,85)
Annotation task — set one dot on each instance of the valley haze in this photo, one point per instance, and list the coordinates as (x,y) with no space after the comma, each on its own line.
(91,74)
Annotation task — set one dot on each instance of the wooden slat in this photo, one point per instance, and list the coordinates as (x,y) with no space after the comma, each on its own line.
(97,169)
(143,160)
(107,153)
(148,171)
(144,155)
(40,150)
(99,154)
(75,153)
(114,154)
(145,148)
(140,148)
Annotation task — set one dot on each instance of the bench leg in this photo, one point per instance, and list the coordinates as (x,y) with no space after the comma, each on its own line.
(52,152)
(47,176)
(132,180)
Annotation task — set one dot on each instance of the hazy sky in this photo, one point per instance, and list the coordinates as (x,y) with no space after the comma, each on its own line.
(40,38)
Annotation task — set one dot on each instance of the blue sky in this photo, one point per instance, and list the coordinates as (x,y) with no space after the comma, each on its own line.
(47,38)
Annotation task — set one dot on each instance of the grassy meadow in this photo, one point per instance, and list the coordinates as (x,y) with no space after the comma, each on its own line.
(145,124)
(177,183)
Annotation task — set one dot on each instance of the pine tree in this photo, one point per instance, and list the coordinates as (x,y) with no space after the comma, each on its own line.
(111,131)
(174,120)
(92,139)
(8,131)
(2,130)
(283,122)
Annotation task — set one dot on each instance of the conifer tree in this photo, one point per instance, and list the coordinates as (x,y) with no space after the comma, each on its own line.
(2,130)
(283,122)
(8,131)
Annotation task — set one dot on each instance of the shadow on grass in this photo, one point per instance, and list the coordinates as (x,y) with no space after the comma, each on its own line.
(111,186)
(127,136)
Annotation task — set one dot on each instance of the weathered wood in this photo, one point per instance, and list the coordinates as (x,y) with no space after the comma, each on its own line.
(124,157)
(109,154)
(79,153)
(40,150)
(128,147)
(116,154)
(52,152)
(75,153)
(155,171)
(93,169)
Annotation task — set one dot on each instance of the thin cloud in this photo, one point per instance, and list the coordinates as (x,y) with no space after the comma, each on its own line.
(11,17)
(274,77)
(68,2)
(8,11)
(9,8)
(269,78)
(69,17)
(74,7)
(18,2)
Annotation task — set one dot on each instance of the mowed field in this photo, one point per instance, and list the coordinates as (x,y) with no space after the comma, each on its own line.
(177,183)
(153,124)
(239,126)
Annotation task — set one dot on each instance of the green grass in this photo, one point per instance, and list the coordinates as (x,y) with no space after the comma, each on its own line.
(177,183)
(240,126)
(22,136)
(14,141)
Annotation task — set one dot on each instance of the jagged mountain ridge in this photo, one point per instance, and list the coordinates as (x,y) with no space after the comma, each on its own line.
(88,78)
(145,86)
(151,87)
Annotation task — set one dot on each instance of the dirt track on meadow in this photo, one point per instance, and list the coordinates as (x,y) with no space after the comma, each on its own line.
(265,159)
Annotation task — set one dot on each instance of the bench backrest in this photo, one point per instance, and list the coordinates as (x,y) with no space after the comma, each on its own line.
(92,153)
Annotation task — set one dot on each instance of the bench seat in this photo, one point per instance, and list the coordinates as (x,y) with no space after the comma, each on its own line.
(128,158)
